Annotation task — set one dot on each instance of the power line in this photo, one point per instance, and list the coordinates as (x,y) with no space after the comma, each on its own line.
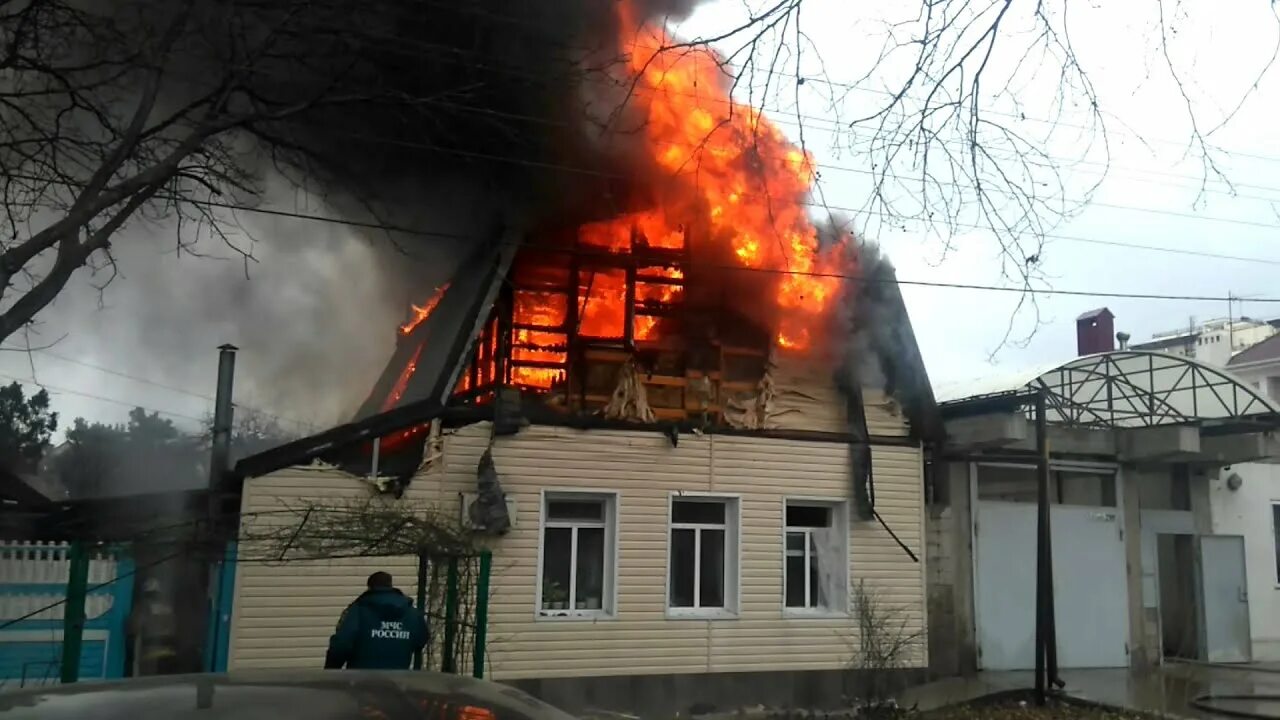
(770,73)
(952,285)
(130,573)
(838,126)
(130,405)
(163,386)
(152,383)
(824,206)
(614,176)
(456,236)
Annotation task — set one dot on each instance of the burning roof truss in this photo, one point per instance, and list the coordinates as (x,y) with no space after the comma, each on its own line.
(606,325)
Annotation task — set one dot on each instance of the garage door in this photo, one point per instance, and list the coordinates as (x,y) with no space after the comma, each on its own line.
(1090,589)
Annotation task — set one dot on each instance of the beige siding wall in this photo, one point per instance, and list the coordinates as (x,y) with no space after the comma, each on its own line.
(292,608)
(807,399)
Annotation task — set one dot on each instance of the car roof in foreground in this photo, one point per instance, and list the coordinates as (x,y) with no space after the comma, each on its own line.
(281,695)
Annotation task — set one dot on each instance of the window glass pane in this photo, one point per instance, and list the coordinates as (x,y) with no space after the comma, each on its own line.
(795,580)
(808,516)
(795,543)
(555,568)
(1275,519)
(590,510)
(589,590)
(689,511)
(813,573)
(712,570)
(681,572)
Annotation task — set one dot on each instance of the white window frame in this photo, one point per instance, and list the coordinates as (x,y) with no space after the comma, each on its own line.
(732,556)
(608,603)
(840,521)
(1275,532)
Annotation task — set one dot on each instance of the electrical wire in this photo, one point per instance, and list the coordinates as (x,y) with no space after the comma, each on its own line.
(764,72)
(966,286)
(781,115)
(152,383)
(122,403)
(808,203)
(92,588)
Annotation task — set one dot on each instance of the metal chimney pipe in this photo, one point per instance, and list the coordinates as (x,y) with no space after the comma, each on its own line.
(223,411)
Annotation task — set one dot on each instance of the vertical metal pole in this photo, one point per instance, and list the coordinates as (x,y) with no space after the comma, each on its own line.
(73,612)
(220,455)
(373,465)
(422,593)
(1050,622)
(482,614)
(222,416)
(1042,527)
(449,663)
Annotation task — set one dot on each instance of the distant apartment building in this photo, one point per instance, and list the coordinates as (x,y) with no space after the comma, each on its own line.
(1213,341)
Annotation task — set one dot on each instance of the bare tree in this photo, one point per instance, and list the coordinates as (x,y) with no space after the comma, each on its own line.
(888,642)
(115,112)
(148,110)
(972,115)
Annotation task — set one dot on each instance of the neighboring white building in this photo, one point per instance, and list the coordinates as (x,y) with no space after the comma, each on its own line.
(1245,500)
(1213,341)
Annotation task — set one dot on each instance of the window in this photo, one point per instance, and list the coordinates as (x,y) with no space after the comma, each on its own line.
(816,557)
(577,555)
(702,564)
(1275,526)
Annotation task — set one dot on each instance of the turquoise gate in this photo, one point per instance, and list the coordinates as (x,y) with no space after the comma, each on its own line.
(33,588)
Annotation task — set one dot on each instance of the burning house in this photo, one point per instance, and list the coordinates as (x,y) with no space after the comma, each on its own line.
(687,425)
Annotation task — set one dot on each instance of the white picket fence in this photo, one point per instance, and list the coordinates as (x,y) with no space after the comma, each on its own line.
(35,563)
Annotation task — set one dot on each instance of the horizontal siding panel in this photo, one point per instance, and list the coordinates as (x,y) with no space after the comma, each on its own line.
(299,602)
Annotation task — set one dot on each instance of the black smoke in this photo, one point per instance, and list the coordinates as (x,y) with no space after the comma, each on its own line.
(472,116)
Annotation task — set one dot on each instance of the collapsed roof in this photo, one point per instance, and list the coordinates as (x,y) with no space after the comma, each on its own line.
(427,368)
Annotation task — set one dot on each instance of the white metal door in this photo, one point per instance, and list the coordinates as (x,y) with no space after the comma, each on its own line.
(1225,598)
(1090,588)
(1004,584)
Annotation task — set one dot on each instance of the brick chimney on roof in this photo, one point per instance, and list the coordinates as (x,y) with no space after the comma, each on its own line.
(1095,332)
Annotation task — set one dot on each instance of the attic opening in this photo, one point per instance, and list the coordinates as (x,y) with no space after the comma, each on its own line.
(618,324)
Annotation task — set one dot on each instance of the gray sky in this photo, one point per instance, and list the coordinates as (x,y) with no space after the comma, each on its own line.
(1149,197)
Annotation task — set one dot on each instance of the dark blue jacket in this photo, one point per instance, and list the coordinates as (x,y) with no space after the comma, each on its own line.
(381,630)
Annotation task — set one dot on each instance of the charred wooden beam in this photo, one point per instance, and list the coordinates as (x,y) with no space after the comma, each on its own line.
(545,364)
(629,304)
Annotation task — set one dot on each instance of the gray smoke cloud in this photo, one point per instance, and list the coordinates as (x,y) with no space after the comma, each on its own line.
(315,314)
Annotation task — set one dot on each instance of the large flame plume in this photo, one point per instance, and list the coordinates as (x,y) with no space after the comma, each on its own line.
(725,185)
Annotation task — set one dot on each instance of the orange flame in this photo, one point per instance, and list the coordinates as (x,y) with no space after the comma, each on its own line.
(742,176)
(731,177)
(402,382)
(423,312)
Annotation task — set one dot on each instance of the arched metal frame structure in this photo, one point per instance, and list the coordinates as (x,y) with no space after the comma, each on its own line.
(1133,389)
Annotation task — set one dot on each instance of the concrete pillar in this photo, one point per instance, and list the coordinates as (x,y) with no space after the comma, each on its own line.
(952,649)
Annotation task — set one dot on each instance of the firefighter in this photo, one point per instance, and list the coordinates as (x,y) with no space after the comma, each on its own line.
(381,630)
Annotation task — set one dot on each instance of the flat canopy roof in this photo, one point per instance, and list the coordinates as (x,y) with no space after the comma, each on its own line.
(1123,388)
